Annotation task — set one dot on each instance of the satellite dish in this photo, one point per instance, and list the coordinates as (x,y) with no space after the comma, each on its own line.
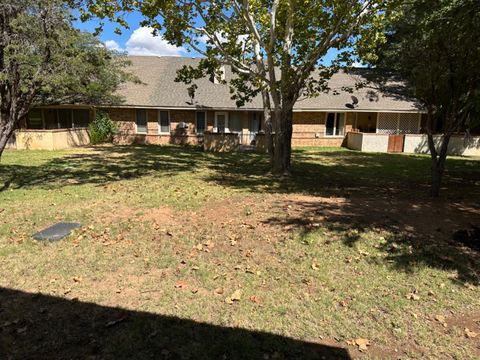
(354,100)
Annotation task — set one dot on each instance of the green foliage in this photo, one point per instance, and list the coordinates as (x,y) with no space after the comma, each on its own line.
(45,60)
(274,47)
(434,46)
(52,61)
(102,129)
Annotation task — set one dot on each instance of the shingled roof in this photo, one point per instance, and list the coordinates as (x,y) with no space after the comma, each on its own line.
(159,90)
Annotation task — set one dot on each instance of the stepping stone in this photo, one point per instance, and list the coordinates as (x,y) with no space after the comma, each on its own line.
(56,232)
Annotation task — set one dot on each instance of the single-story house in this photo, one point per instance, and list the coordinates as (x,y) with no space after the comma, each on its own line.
(159,110)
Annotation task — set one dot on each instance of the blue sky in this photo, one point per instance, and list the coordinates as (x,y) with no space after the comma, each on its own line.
(139,41)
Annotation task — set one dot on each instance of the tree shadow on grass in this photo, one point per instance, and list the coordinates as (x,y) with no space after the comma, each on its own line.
(315,172)
(36,326)
(420,233)
(100,166)
(347,173)
(382,191)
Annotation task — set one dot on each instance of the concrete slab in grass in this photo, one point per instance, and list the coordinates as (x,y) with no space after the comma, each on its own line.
(56,232)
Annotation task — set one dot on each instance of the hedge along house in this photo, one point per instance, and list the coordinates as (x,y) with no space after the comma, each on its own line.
(159,110)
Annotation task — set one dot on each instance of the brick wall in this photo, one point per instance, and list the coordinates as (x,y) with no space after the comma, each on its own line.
(309,129)
(125,119)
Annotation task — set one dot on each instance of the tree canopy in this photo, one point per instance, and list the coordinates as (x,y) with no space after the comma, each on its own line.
(44,60)
(434,46)
(274,46)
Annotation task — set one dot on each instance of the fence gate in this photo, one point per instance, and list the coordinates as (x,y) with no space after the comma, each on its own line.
(395,143)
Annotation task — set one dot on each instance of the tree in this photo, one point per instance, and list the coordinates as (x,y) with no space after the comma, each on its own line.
(44,60)
(434,46)
(273,46)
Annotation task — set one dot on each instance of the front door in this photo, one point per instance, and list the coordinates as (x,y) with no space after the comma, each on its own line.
(395,143)
(221,122)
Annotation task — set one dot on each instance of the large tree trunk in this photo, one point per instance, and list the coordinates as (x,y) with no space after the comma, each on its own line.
(438,162)
(5,134)
(267,114)
(282,140)
(3,143)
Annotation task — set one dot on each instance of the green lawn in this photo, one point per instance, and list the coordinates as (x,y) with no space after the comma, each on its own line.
(349,247)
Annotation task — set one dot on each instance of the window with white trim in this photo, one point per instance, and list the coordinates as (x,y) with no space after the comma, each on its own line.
(200,122)
(335,124)
(141,121)
(164,122)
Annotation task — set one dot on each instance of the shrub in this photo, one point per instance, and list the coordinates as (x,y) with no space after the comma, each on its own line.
(102,129)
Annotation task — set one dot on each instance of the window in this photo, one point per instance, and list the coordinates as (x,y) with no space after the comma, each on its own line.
(64,117)
(221,122)
(235,122)
(81,118)
(164,121)
(255,122)
(50,118)
(58,118)
(201,122)
(141,121)
(335,124)
(34,119)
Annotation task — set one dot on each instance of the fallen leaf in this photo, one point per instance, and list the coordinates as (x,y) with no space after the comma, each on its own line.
(344,304)
(181,284)
(219,291)
(209,244)
(441,319)
(412,296)
(362,344)
(470,334)
(236,296)
(315,266)
(255,299)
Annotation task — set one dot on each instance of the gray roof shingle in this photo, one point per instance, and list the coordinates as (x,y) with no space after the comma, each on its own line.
(159,90)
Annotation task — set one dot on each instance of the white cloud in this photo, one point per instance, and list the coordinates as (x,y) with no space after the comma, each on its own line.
(142,42)
(112,45)
(358,64)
